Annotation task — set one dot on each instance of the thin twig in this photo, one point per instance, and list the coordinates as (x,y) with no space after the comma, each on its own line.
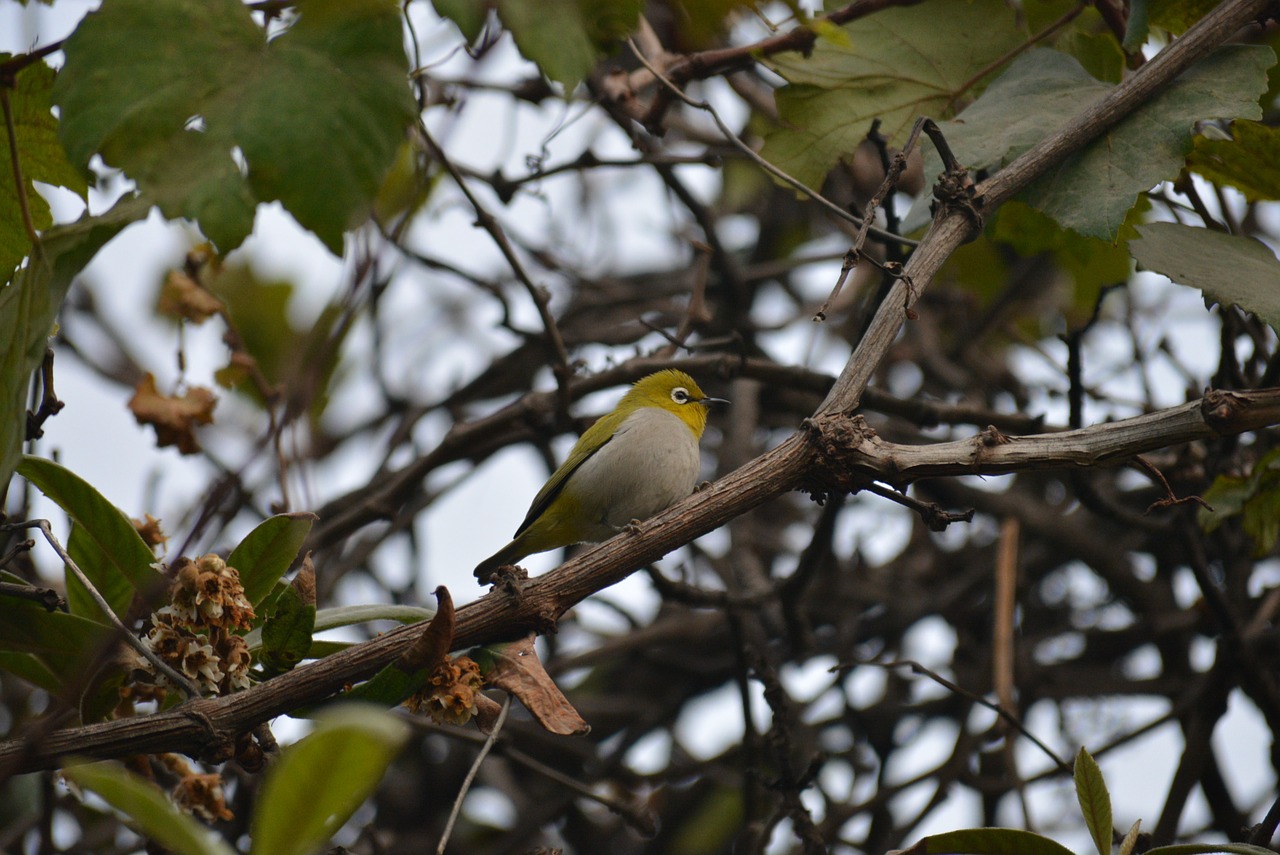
(562,369)
(132,640)
(47,598)
(471,774)
(768,167)
(917,668)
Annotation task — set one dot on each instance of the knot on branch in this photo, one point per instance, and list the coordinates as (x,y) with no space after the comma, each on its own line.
(991,437)
(840,463)
(1220,407)
(955,191)
(215,744)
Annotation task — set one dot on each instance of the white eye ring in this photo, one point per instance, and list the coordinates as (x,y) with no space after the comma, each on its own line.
(680,395)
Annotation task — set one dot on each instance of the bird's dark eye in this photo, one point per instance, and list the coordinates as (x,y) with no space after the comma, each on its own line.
(680,395)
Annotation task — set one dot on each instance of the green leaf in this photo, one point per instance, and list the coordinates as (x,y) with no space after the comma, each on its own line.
(1257,497)
(1130,839)
(41,157)
(989,841)
(1262,518)
(1210,849)
(1137,28)
(286,633)
(320,780)
(1178,16)
(28,306)
(103,543)
(1095,801)
(565,38)
(268,552)
(283,347)
(388,688)
(1227,268)
(29,667)
(1094,189)
(172,91)
(1093,263)
(332,618)
(1249,161)
(148,808)
(900,63)
(468,15)
(47,648)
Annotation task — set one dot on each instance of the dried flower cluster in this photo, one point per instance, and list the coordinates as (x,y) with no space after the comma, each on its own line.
(197,793)
(195,632)
(450,694)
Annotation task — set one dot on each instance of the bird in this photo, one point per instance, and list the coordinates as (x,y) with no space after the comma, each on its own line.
(637,460)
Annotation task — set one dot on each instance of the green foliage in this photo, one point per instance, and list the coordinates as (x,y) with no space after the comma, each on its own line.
(1093,190)
(565,38)
(988,841)
(898,64)
(1177,16)
(711,823)
(268,552)
(286,351)
(149,809)
(340,616)
(168,90)
(313,788)
(41,157)
(1210,849)
(320,780)
(1255,498)
(104,543)
(44,645)
(286,632)
(1095,801)
(1249,161)
(1092,262)
(1095,806)
(1199,258)
(28,307)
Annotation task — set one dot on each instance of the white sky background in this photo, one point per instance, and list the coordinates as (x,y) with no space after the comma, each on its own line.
(97,437)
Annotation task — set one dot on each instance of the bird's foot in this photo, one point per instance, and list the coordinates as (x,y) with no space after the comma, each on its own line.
(505,576)
(702,486)
(634,527)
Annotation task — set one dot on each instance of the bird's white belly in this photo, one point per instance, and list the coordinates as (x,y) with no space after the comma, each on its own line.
(651,463)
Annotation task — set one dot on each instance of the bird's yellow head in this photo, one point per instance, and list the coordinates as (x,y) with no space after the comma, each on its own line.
(673,391)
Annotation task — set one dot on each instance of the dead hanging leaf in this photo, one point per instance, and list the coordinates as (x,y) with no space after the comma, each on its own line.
(151,531)
(181,296)
(517,669)
(174,419)
(305,582)
(436,640)
(238,370)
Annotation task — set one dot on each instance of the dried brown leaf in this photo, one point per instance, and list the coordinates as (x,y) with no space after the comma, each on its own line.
(518,670)
(174,419)
(436,640)
(184,297)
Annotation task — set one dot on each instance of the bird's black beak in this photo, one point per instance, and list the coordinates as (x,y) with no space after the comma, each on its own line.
(707,402)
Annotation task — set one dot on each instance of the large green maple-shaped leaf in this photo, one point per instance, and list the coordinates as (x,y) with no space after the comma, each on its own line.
(193,102)
(35,130)
(895,65)
(1092,190)
(564,38)
(1227,268)
(1249,161)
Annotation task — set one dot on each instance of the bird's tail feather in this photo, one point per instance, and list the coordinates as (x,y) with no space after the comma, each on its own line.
(509,554)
